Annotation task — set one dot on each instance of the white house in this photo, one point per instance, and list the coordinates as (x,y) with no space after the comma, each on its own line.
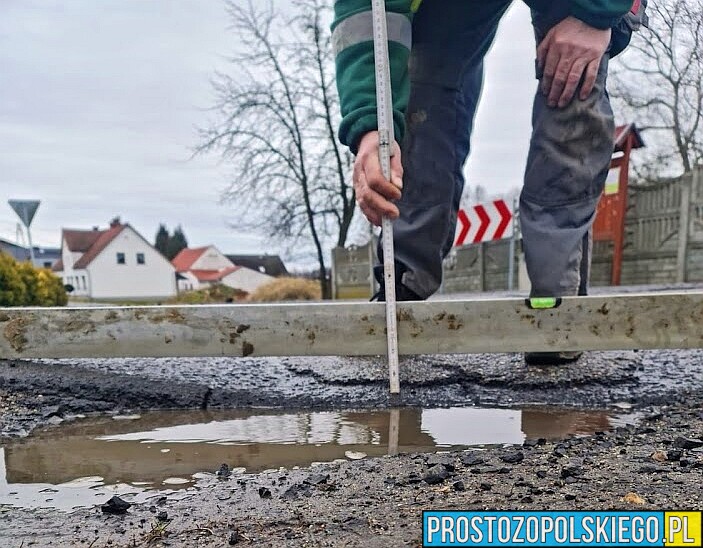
(202,267)
(116,263)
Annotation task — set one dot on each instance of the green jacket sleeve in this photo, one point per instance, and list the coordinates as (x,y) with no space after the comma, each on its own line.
(352,37)
(601,14)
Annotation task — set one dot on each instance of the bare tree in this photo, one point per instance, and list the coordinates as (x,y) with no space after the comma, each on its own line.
(275,122)
(658,82)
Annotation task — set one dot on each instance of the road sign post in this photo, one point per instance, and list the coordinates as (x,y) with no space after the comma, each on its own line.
(511,250)
(26,209)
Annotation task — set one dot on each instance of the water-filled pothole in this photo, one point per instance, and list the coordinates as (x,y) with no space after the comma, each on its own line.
(168,453)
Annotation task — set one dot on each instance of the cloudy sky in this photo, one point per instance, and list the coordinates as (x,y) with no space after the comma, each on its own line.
(99,103)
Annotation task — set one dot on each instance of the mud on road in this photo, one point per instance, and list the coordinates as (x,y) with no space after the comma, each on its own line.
(373,502)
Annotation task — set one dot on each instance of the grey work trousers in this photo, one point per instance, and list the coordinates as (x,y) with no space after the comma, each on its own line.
(568,160)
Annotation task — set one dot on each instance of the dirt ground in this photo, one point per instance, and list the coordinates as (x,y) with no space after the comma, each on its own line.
(655,463)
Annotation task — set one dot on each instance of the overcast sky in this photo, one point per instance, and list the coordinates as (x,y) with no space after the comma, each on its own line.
(99,101)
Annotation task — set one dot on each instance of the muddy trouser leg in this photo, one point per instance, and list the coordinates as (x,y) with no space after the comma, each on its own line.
(568,162)
(446,71)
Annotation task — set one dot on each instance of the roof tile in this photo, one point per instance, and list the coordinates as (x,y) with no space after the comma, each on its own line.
(100,243)
(187,257)
(213,275)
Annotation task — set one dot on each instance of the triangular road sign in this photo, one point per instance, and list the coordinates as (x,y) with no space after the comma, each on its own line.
(25,209)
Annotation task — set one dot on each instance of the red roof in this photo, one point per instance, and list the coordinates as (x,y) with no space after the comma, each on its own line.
(106,236)
(213,275)
(187,257)
(88,242)
(80,240)
(621,134)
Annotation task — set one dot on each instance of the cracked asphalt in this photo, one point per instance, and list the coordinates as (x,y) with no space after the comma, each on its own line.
(374,502)
(598,380)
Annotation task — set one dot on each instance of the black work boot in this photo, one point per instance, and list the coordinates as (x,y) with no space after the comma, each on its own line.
(402,293)
(552,358)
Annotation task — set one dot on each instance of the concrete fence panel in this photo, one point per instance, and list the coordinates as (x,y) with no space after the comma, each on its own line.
(663,245)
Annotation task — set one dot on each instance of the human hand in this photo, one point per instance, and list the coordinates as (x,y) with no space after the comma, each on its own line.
(373,191)
(570,49)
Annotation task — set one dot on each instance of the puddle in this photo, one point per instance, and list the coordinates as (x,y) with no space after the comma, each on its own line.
(169,453)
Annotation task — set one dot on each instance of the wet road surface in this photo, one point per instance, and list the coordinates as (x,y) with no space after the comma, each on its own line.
(373,501)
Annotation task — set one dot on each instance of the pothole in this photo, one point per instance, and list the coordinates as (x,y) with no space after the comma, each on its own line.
(169,453)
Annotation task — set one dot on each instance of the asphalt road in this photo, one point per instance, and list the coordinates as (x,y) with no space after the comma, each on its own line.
(36,390)
(373,502)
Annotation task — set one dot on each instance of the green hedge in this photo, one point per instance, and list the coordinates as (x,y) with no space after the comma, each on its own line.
(21,284)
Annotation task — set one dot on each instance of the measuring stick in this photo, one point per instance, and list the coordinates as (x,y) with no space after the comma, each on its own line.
(386,138)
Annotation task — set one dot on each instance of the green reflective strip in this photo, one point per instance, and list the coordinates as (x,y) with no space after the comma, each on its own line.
(359,28)
(415,5)
(543,302)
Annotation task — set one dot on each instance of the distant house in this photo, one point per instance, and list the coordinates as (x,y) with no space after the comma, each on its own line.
(44,257)
(16,251)
(202,267)
(115,263)
(266,264)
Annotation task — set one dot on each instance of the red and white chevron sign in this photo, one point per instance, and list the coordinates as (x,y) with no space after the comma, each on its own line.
(483,223)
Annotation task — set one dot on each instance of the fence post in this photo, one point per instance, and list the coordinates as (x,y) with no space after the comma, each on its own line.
(511,248)
(684,218)
(333,275)
(482,265)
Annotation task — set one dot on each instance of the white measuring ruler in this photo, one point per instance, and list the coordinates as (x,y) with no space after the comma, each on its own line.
(386,136)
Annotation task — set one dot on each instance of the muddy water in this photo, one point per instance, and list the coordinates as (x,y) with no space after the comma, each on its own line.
(169,453)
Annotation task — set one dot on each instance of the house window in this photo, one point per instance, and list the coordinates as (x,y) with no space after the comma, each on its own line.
(47,264)
(84,285)
(120,258)
(140,258)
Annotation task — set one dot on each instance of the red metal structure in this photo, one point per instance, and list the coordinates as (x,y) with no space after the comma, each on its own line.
(609,224)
